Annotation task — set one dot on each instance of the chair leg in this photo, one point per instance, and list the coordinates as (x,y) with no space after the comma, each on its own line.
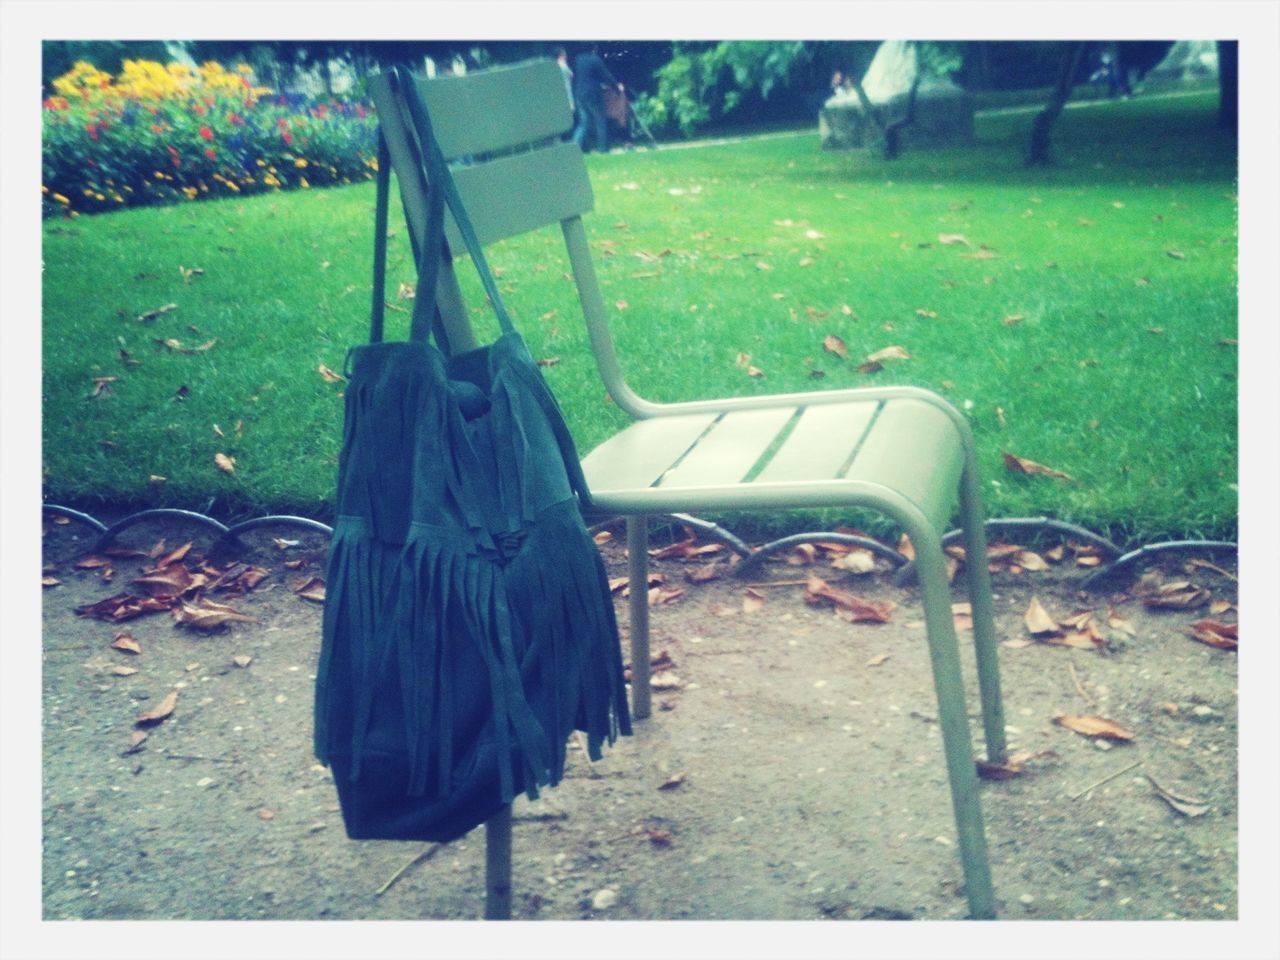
(953,719)
(984,628)
(497,866)
(638,570)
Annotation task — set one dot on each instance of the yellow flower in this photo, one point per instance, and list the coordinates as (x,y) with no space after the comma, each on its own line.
(300,163)
(302,182)
(61,199)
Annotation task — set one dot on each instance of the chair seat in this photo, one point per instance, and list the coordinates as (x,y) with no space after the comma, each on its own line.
(785,455)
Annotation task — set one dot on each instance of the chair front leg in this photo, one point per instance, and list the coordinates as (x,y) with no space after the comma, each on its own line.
(953,718)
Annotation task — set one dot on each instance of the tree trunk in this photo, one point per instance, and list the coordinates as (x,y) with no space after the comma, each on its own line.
(893,132)
(1038,153)
(1229,84)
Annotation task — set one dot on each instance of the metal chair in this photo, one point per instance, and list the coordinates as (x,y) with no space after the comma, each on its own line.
(900,450)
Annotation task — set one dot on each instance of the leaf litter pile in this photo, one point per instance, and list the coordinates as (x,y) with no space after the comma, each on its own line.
(190,589)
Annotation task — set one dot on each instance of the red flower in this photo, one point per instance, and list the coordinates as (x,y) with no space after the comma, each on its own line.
(171,150)
(288,137)
(235,120)
(210,153)
(198,109)
(361,112)
(282,123)
(93,130)
(206,133)
(156,128)
(321,110)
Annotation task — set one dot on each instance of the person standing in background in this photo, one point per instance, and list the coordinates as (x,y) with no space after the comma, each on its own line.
(590,77)
(562,58)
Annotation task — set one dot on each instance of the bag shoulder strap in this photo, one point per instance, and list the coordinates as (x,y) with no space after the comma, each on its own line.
(441,192)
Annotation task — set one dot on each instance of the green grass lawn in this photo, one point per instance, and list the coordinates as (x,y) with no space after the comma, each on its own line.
(1080,323)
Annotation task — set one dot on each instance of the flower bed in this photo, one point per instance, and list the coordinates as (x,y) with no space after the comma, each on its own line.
(167,134)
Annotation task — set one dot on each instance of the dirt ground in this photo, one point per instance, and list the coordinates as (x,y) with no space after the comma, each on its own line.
(792,767)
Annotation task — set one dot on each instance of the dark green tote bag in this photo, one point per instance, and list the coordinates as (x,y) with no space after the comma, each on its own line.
(468,628)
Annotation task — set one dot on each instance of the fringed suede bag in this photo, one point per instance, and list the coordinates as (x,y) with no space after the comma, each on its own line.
(468,628)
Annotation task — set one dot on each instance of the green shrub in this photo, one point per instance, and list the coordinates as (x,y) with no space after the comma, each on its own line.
(158,134)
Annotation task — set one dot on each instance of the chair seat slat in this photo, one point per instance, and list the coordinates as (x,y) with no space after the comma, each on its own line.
(730,449)
(821,442)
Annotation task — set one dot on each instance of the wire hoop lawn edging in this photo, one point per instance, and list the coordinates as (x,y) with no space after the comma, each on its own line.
(752,557)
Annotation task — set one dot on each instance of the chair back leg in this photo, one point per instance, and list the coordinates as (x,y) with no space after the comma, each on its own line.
(978,578)
(638,575)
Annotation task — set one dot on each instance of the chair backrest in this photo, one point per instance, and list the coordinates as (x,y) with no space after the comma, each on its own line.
(502,131)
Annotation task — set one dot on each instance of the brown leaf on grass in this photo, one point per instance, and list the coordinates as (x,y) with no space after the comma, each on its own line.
(312,590)
(870,367)
(1014,318)
(1224,636)
(242,660)
(672,782)
(160,712)
(947,239)
(1016,464)
(240,579)
(1187,806)
(548,361)
(1094,726)
(49,581)
(207,615)
(1175,254)
(224,463)
(102,387)
(92,562)
(983,253)
(1015,765)
(927,314)
(752,600)
(158,311)
(1038,620)
(906,548)
(602,537)
(659,837)
(834,344)
(888,353)
(329,376)
(1179,595)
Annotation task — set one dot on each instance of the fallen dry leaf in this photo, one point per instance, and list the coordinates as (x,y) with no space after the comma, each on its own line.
(125,642)
(1224,636)
(171,581)
(703,574)
(207,615)
(136,740)
(833,344)
(158,311)
(888,353)
(1094,726)
(1038,620)
(224,463)
(659,596)
(672,782)
(329,376)
(857,561)
(1180,595)
(1187,806)
(161,711)
(1015,765)
(953,238)
(312,589)
(878,659)
(1021,465)
(242,660)
(848,606)
(1117,622)
(752,600)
